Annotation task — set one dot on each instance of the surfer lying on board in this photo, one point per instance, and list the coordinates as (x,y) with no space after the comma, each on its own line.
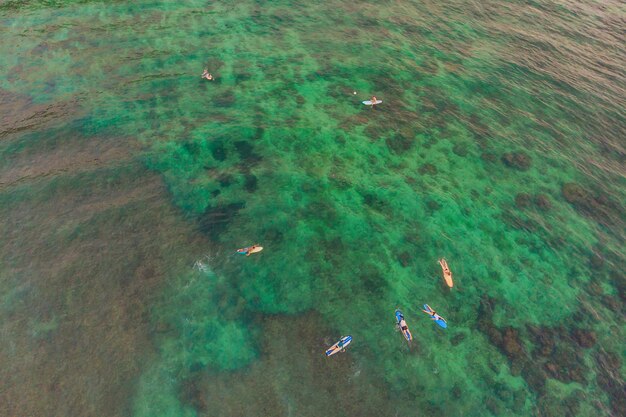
(433,314)
(447,274)
(444,266)
(207,75)
(402,325)
(342,345)
(251,249)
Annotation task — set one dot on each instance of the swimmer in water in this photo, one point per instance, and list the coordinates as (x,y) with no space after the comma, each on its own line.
(207,75)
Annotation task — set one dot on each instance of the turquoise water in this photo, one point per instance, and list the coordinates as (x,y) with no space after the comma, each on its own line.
(127,183)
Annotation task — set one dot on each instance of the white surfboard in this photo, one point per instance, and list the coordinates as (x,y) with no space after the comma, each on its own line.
(369,102)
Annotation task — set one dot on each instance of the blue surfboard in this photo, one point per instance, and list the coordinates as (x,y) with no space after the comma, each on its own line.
(440,320)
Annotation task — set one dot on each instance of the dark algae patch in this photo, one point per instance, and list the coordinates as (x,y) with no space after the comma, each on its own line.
(517,160)
(127,183)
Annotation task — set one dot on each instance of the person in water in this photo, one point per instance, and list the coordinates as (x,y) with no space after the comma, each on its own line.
(444,266)
(374,100)
(403,325)
(447,274)
(207,75)
(404,329)
(433,314)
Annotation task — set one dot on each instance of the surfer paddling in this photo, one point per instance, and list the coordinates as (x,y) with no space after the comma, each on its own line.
(403,326)
(207,75)
(433,314)
(447,274)
(340,346)
(250,250)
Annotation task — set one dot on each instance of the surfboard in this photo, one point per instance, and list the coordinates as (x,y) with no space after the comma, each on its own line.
(440,321)
(243,251)
(369,102)
(339,346)
(406,333)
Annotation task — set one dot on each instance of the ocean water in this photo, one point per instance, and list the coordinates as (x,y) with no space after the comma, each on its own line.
(127,183)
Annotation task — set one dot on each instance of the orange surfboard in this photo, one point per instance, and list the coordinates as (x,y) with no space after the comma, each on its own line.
(447,274)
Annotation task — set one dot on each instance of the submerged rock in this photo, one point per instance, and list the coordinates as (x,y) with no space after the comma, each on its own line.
(226,180)
(619,280)
(246,153)
(543,202)
(594,288)
(519,400)
(511,344)
(427,169)
(609,365)
(612,303)
(503,392)
(598,206)
(433,205)
(535,377)
(596,261)
(250,183)
(544,340)
(522,200)
(192,392)
(404,258)
(608,377)
(517,160)
(488,157)
(566,364)
(557,353)
(506,340)
(550,406)
(215,220)
(460,149)
(575,194)
(584,338)
(225,99)
(494,406)
(400,143)
(457,338)
(375,202)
